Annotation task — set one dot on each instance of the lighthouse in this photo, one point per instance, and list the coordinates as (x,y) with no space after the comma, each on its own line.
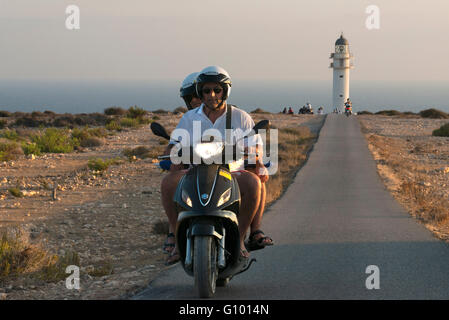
(341,64)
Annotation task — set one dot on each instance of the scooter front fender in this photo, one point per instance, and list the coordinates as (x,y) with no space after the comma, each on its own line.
(194,223)
(223,214)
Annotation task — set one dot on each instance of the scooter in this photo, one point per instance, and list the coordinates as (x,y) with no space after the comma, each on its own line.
(208,203)
(348,111)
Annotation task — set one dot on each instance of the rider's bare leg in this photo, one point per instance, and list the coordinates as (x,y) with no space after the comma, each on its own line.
(168,189)
(249,185)
(257,221)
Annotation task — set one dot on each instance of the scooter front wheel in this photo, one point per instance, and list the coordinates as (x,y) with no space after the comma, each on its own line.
(205,269)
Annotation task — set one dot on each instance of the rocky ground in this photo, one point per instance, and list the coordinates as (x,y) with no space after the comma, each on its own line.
(413,164)
(114,222)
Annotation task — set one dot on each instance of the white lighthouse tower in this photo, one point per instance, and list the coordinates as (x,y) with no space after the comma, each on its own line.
(341,64)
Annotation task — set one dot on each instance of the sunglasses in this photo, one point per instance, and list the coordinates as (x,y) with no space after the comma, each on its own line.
(216,90)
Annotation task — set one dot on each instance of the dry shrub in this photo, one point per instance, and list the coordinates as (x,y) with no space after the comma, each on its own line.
(18,256)
(434,114)
(91,142)
(414,191)
(432,209)
(261,111)
(101,165)
(409,115)
(142,152)
(443,131)
(274,188)
(55,269)
(4,114)
(9,151)
(136,112)
(115,111)
(388,113)
(104,268)
(179,110)
(294,144)
(160,111)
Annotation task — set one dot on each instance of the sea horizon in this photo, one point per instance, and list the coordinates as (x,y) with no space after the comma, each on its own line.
(89,96)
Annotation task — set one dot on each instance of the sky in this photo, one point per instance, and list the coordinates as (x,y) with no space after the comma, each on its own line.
(256,40)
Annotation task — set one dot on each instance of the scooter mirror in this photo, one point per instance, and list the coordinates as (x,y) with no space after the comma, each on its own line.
(159,130)
(262,124)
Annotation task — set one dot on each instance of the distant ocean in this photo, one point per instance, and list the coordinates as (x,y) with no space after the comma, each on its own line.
(95,96)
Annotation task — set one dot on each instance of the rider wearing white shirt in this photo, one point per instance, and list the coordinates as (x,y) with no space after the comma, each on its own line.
(213,86)
(196,125)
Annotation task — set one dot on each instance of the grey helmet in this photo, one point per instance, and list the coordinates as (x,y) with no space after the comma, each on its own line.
(188,89)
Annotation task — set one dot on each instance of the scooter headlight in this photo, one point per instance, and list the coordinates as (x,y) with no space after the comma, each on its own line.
(185,197)
(208,150)
(224,197)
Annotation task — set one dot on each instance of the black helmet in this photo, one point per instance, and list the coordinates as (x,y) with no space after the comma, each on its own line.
(214,74)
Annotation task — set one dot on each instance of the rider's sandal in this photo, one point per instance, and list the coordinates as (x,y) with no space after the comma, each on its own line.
(244,256)
(257,244)
(243,260)
(173,258)
(168,247)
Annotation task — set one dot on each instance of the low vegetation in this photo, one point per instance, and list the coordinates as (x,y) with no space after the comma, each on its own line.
(434,114)
(428,113)
(115,111)
(180,110)
(9,151)
(136,113)
(15,192)
(16,142)
(4,114)
(104,268)
(55,140)
(433,209)
(101,165)
(138,152)
(55,269)
(294,145)
(260,111)
(19,257)
(113,126)
(388,113)
(443,131)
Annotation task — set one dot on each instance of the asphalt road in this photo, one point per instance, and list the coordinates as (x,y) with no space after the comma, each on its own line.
(333,223)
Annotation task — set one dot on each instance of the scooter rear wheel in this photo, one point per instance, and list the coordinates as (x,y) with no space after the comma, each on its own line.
(205,269)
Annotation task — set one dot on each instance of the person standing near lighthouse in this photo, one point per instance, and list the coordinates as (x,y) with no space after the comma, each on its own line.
(341,64)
